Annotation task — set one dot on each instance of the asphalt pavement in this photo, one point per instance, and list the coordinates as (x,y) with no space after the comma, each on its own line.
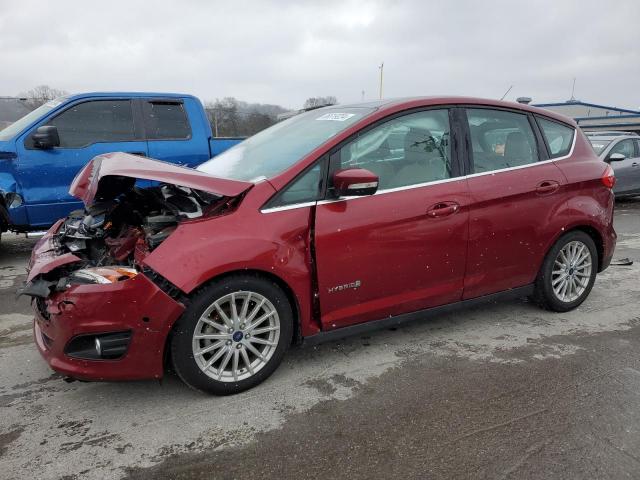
(500,391)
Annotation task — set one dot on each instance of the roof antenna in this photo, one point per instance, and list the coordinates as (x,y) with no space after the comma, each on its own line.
(505,93)
(573,89)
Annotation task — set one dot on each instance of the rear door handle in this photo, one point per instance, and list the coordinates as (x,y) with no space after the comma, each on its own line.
(140,154)
(634,164)
(442,209)
(548,186)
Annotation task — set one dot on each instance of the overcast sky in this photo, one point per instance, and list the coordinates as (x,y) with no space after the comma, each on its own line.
(285,51)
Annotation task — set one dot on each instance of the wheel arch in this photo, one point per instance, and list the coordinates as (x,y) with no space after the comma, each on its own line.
(590,230)
(286,288)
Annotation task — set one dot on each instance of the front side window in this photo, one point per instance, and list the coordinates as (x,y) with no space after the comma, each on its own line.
(500,139)
(625,147)
(166,120)
(407,150)
(92,122)
(559,137)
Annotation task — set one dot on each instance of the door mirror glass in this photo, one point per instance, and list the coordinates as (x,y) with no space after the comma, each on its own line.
(46,137)
(616,157)
(352,182)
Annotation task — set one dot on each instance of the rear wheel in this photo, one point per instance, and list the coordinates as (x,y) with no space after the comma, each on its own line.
(568,273)
(233,335)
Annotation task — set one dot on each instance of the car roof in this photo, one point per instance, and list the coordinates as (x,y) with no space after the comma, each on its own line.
(77,96)
(394,104)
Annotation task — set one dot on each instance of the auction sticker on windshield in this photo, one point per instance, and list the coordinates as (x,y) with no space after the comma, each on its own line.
(336,117)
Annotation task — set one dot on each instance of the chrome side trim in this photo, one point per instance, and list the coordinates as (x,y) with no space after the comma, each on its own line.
(287,207)
(425,184)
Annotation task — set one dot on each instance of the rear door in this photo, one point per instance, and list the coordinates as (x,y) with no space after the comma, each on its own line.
(628,170)
(404,248)
(86,129)
(514,192)
(173,134)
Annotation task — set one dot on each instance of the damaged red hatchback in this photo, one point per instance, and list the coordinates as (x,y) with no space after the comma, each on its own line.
(335,221)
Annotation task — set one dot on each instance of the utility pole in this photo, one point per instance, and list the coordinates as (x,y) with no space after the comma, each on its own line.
(363,95)
(573,89)
(381,67)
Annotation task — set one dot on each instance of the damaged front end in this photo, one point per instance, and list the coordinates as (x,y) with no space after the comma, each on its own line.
(93,297)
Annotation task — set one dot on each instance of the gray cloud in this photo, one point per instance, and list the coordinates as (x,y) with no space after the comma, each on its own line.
(285,51)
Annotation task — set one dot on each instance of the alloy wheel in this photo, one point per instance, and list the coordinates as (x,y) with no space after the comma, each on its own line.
(571,271)
(236,336)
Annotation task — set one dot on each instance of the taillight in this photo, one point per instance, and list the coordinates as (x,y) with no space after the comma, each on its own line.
(609,177)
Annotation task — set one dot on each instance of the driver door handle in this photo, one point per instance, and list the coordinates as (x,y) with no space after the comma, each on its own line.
(442,209)
(548,186)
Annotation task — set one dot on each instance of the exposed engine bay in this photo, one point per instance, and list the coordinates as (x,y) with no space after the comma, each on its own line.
(123,225)
(124,230)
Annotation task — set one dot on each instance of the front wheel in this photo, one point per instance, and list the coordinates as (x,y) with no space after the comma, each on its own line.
(233,335)
(568,273)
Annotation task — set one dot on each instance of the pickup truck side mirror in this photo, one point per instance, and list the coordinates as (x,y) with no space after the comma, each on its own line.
(46,137)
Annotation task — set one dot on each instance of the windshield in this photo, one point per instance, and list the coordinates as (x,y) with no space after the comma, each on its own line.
(277,148)
(19,125)
(599,144)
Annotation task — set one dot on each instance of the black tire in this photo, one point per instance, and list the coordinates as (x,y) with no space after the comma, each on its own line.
(544,293)
(182,353)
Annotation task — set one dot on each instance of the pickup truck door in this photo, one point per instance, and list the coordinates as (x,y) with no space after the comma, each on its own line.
(86,128)
(176,130)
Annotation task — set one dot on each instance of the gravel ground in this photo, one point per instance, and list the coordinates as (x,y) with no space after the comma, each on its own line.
(500,391)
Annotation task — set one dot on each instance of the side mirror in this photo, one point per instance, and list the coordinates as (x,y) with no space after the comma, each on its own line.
(353,182)
(46,137)
(616,157)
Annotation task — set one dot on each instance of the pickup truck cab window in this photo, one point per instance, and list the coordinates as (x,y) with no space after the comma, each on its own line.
(500,139)
(166,121)
(407,150)
(93,122)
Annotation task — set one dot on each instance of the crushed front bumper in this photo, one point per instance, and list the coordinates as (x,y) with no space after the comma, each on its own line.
(136,305)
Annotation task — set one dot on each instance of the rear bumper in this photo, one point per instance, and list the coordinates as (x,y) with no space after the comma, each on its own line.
(136,305)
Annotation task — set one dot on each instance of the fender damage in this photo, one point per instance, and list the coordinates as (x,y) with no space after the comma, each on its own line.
(100,312)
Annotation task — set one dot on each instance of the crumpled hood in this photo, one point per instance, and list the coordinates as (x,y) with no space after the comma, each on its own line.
(88,184)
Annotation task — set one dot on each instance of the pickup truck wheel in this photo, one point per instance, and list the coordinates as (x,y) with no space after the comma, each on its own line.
(568,273)
(233,335)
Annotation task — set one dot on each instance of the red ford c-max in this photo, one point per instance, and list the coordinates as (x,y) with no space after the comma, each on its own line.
(335,221)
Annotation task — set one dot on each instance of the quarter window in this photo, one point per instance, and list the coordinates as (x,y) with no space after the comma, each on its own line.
(92,122)
(166,120)
(559,137)
(407,150)
(500,139)
(306,188)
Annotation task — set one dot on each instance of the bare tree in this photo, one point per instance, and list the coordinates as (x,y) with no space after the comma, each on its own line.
(315,102)
(41,95)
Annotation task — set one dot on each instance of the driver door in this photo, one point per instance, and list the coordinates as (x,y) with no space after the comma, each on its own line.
(394,252)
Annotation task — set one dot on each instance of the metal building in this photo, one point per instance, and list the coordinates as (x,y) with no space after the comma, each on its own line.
(591,116)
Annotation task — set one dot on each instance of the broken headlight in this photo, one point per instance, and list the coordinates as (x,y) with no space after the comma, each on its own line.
(102,275)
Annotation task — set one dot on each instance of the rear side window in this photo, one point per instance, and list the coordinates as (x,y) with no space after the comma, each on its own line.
(559,137)
(166,121)
(500,139)
(93,122)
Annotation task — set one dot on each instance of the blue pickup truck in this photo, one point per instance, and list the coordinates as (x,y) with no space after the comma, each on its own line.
(41,153)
